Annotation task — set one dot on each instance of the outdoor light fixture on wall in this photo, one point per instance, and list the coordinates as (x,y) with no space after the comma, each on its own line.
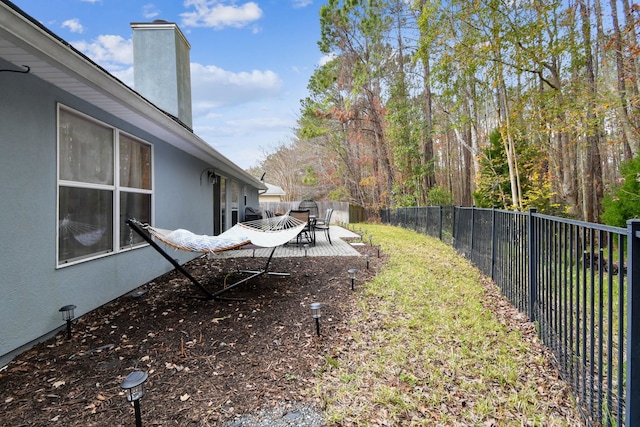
(315,314)
(67,316)
(352,275)
(211,176)
(133,385)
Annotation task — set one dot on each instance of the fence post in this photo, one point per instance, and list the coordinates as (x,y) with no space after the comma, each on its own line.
(493,242)
(454,228)
(440,222)
(533,264)
(632,416)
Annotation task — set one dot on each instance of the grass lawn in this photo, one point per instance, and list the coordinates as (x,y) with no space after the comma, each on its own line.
(433,343)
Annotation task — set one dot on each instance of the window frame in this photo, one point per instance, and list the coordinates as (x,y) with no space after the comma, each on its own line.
(116,188)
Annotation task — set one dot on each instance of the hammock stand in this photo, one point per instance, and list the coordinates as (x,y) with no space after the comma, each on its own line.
(266,226)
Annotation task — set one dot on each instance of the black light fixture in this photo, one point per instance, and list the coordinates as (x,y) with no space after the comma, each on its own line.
(370,240)
(133,384)
(212,178)
(378,246)
(67,316)
(315,314)
(352,275)
(367,257)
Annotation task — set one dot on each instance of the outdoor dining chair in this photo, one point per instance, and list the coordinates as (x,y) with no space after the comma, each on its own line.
(324,223)
(307,231)
(310,205)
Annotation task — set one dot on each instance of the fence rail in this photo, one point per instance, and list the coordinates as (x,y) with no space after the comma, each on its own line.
(579,282)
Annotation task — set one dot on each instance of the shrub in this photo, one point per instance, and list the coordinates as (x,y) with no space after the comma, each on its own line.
(623,202)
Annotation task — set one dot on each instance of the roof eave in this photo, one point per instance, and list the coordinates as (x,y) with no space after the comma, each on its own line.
(54,60)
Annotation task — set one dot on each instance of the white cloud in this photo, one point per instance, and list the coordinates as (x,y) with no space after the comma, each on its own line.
(216,14)
(125,75)
(91,1)
(73,25)
(213,87)
(110,51)
(297,4)
(149,11)
(327,58)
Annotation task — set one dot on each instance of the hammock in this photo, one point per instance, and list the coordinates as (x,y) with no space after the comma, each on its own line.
(85,234)
(267,233)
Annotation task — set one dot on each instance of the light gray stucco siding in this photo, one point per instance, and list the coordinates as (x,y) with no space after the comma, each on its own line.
(32,289)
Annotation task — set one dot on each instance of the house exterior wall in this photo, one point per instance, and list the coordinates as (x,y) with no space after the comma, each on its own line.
(32,288)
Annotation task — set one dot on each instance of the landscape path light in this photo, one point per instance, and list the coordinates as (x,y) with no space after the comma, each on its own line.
(67,315)
(133,385)
(378,246)
(367,257)
(352,275)
(315,314)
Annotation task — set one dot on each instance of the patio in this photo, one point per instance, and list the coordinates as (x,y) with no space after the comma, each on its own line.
(339,247)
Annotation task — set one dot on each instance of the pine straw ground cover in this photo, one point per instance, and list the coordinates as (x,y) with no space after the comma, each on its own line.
(423,340)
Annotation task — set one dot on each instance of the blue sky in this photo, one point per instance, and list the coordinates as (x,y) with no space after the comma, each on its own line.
(250,60)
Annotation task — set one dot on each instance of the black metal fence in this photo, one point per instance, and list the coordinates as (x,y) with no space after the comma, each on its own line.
(579,282)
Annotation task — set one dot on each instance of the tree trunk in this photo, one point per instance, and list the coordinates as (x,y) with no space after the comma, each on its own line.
(593,188)
(628,138)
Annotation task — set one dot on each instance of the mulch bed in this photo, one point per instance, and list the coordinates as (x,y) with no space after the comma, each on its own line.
(209,362)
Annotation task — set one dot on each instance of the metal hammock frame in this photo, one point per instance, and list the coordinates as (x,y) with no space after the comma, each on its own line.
(269,232)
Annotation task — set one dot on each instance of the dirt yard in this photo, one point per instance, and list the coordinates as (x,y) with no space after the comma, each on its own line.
(209,362)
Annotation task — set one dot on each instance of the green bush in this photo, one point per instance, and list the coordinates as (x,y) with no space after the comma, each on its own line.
(439,196)
(623,202)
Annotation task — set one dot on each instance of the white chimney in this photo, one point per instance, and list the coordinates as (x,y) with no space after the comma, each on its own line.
(161,67)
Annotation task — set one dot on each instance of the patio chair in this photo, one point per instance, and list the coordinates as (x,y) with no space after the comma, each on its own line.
(306,232)
(310,205)
(324,223)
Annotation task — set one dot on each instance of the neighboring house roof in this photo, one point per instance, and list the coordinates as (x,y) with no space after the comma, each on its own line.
(273,190)
(26,42)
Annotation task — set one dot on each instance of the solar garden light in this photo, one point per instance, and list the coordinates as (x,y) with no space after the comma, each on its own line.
(352,275)
(367,257)
(133,384)
(378,246)
(370,240)
(306,246)
(67,315)
(315,313)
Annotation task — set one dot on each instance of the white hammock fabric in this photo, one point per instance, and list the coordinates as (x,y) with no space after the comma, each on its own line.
(268,233)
